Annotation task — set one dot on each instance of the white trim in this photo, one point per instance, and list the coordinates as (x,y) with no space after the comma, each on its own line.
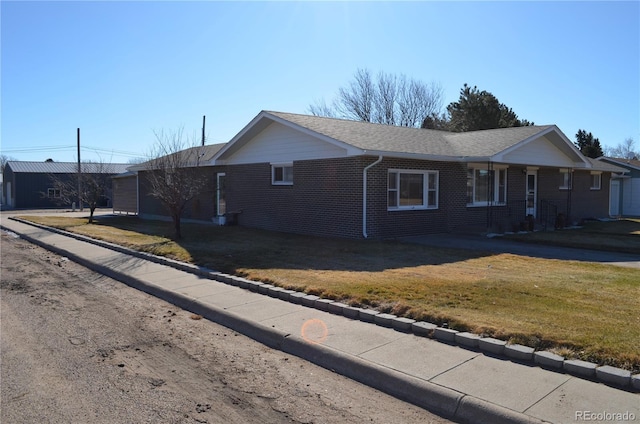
(496,185)
(599,180)
(582,162)
(284,181)
(425,189)
(566,185)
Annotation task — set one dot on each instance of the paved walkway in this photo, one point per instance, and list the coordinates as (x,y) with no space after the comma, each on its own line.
(463,384)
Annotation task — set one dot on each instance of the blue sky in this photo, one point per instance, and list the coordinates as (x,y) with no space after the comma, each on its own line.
(120,70)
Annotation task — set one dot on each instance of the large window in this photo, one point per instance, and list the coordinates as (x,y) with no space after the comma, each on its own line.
(282,174)
(412,189)
(486,186)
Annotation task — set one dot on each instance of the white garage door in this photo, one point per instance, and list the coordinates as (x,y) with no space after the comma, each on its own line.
(631,197)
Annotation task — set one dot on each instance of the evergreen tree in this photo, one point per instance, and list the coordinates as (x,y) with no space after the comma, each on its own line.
(480,110)
(588,145)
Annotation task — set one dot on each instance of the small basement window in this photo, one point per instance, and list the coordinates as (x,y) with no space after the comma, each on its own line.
(282,174)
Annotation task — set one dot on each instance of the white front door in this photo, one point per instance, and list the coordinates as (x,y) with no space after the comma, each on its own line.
(614,198)
(532,192)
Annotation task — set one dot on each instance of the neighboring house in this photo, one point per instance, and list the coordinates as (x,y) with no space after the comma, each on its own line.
(334,177)
(625,190)
(29,184)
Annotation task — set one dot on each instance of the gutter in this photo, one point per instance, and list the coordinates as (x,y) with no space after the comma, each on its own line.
(364,195)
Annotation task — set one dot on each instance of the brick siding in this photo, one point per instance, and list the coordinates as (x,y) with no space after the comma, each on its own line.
(326,199)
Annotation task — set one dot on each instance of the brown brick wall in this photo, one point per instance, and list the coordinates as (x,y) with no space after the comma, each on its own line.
(199,208)
(325,198)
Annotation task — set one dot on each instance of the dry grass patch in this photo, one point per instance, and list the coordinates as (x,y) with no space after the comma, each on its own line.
(588,311)
(617,236)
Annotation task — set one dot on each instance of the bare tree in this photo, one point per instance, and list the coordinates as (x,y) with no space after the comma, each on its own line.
(387,99)
(95,183)
(3,161)
(417,101)
(624,150)
(174,174)
(320,108)
(357,100)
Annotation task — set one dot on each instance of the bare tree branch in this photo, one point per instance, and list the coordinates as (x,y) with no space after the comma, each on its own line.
(356,101)
(390,100)
(96,186)
(624,150)
(173,175)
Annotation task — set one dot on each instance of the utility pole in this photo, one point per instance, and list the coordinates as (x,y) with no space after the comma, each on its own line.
(203,118)
(79,175)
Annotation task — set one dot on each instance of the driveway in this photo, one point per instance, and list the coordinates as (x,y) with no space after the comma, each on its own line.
(500,245)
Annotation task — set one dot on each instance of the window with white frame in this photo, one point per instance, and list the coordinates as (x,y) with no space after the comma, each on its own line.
(596,180)
(485,186)
(566,179)
(410,189)
(53,193)
(282,174)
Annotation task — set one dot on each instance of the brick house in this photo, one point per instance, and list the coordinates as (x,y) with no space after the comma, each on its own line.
(341,178)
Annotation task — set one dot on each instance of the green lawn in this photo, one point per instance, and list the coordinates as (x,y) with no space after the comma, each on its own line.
(582,310)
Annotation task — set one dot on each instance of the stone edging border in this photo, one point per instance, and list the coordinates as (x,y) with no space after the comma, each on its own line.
(615,377)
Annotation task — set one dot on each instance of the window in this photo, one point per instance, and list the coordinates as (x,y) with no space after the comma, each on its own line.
(486,186)
(566,179)
(282,174)
(596,180)
(412,190)
(53,193)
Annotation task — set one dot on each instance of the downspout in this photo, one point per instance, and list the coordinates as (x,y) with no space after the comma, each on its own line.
(364,195)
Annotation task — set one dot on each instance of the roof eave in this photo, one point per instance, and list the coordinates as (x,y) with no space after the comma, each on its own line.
(422,156)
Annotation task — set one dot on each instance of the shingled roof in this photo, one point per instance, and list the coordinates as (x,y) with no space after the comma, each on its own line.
(389,138)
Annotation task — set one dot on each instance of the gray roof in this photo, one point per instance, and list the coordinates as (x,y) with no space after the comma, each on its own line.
(628,163)
(187,156)
(67,167)
(388,138)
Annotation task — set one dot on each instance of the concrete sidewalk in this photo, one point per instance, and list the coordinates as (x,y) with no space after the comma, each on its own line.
(466,384)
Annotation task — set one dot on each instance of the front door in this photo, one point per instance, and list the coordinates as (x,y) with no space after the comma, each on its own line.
(532,192)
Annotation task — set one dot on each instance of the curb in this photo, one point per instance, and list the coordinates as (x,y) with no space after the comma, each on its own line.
(489,345)
(441,400)
(523,354)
